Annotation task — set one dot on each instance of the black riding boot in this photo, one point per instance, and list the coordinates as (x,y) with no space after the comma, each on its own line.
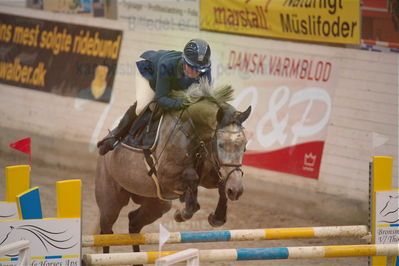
(107,143)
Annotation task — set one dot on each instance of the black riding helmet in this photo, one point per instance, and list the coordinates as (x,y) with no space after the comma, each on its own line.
(197,54)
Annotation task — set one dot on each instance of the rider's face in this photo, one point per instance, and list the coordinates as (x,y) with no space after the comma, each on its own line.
(191,73)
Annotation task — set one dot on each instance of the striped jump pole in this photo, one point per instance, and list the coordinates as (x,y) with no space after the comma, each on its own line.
(227,235)
(249,254)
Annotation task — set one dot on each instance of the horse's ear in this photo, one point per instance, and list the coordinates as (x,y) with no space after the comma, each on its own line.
(220,115)
(244,115)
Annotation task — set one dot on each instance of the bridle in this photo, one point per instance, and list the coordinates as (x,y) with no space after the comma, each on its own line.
(201,154)
(198,155)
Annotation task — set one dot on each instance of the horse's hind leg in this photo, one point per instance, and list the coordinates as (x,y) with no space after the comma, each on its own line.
(110,199)
(151,209)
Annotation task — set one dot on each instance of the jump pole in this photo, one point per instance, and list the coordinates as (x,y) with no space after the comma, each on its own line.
(227,235)
(215,255)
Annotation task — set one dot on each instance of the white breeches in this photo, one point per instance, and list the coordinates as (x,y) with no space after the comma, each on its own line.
(144,93)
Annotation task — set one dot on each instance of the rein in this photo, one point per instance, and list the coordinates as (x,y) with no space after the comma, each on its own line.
(200,152)
(171,133)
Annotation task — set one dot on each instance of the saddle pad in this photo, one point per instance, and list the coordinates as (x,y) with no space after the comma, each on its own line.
(143,134)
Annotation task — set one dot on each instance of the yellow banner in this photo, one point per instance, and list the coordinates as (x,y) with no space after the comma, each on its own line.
(335,21)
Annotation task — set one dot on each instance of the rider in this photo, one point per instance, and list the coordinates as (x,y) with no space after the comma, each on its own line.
(159,73)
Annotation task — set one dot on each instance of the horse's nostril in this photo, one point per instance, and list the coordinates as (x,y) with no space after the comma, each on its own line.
(234,194)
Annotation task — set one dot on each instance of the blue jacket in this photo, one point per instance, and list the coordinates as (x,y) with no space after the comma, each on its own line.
(164,71)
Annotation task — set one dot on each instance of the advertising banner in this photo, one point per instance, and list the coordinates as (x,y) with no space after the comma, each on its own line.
(291,97)
(387,220)
(82,7)
(159,15)
(52,241)
(65,59)
(335,21)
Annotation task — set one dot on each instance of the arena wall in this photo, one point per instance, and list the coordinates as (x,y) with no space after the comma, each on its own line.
(363,123)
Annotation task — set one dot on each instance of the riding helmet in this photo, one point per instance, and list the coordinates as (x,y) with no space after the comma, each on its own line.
(197,54)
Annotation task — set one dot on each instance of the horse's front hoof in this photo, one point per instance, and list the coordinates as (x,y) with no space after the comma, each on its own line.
(180,216)
(214,222)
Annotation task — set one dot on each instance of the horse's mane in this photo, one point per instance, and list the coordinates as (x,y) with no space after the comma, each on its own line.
(204,90)
(203,103)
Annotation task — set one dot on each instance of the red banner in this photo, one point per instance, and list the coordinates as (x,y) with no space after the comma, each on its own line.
(380,4)
(302,159)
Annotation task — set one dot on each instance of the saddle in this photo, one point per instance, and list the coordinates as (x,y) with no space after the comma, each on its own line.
(144,132)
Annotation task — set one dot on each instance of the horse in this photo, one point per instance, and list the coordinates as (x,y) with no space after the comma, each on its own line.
(201,145)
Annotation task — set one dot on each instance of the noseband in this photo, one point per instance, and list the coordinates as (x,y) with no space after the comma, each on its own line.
(237,167)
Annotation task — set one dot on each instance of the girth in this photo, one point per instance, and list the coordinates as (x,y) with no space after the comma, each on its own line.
(143,137)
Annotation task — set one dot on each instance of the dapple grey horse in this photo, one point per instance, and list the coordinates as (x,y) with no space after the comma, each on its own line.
(200,145)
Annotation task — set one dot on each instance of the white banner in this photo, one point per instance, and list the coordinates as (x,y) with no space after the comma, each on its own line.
(159,15)
(8,210)
(387,217)
(52,241)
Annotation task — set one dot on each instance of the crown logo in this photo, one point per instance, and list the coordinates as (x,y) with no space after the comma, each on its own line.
(310,159)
